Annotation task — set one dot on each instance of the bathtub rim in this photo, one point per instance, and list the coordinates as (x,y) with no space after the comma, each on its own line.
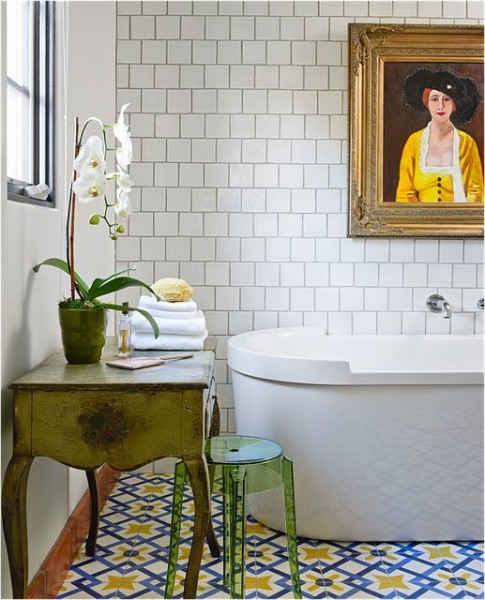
(306,370)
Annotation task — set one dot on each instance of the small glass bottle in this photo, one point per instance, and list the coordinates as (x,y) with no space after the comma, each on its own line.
(124,333)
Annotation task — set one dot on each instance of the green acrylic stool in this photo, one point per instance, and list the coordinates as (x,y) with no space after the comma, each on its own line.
(244,465)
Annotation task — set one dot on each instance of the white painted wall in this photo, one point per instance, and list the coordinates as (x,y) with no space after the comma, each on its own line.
(29,234)
(91,92)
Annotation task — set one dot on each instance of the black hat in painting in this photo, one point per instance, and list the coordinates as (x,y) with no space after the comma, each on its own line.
(463,90)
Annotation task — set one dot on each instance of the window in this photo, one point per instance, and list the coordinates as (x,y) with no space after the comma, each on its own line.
(30,100)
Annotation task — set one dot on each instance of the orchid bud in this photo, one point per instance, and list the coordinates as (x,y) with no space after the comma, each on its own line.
(120,229)
(94,219)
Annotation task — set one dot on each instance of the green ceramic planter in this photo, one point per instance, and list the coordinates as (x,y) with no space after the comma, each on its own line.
(83,334)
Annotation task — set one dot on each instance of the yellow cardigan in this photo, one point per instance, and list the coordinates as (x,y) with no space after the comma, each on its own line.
(436,183)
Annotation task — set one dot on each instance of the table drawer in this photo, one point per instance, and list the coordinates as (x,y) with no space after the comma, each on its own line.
(81,428)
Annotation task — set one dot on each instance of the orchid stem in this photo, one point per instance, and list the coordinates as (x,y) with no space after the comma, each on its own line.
(72,210)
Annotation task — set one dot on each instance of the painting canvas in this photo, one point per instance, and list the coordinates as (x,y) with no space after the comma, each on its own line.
(416,131)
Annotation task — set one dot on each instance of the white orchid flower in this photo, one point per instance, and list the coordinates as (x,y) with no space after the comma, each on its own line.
(122,134)
(90,160)
(124,180)
(88,189)
(123,207)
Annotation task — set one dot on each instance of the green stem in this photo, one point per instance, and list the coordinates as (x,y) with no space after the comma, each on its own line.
(86,123)
(71,213)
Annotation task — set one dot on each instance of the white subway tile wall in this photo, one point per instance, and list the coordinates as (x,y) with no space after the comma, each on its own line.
(238,112)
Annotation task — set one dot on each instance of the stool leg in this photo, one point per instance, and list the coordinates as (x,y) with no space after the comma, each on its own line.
(238,526)
(211,536)
(178,494)
(291,526)
(227,524)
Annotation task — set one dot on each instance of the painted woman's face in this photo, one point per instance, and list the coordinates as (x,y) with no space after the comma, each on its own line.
(440,106)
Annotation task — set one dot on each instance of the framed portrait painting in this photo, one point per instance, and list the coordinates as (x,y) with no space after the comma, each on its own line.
(416,131)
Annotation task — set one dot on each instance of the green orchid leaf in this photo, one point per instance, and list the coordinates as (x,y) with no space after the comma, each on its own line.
(115,285)
(63,266)
(127,270)
(145,313)
(98,282)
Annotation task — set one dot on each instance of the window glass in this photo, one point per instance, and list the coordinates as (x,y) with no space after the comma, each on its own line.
(19,126)
(30,100)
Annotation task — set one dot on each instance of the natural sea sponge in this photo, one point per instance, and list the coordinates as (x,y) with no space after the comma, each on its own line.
(172,289)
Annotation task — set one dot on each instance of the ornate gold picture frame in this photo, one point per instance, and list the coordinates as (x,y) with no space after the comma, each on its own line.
(390,69)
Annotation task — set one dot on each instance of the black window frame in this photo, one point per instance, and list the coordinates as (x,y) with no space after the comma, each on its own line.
(43,105)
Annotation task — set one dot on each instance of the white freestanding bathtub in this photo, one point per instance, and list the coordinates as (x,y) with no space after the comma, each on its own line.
(385,432)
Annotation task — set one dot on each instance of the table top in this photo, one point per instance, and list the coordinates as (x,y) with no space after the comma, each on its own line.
(56,374)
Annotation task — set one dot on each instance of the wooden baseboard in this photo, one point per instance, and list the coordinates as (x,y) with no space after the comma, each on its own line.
(50,576)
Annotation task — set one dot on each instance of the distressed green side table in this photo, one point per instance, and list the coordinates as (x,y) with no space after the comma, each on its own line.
(246,465)
(86,415)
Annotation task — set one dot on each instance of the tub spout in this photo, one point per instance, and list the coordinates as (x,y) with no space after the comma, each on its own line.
(438,304)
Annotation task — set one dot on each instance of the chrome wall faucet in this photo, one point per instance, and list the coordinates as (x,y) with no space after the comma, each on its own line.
(437,304)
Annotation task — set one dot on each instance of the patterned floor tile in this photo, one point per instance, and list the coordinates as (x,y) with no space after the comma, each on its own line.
(332,584)
(437,581)
(132,553)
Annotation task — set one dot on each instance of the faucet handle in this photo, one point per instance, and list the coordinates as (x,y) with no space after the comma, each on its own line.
(481,304)
(435,303)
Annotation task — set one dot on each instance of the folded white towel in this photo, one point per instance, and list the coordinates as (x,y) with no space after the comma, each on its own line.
(195,326)
(147,341)
(151,305)
(174,314)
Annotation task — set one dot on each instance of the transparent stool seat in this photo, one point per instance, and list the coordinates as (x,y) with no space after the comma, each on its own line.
(241,450)
(239,465)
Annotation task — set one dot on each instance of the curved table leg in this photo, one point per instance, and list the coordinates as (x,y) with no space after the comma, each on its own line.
(94,519)
(215,426)
(14,519)
(212,542)
(199,480)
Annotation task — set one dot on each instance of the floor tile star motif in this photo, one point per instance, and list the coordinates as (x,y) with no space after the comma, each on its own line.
(158,490)
(255,528)
(439,552)
(138,529)
(258,583)
(310,554)
(125,582)
(396,582)
(132,553)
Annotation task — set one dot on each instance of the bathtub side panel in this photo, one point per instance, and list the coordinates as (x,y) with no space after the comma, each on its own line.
(372,462)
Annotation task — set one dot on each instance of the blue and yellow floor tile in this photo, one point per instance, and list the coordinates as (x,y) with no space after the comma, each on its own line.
(132,553)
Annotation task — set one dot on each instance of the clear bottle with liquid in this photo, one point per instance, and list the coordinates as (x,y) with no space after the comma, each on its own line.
(124,333)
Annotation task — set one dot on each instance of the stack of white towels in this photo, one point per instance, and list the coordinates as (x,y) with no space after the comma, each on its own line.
(182,326)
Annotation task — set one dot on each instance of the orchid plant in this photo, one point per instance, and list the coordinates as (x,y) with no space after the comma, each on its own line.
(90,182)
